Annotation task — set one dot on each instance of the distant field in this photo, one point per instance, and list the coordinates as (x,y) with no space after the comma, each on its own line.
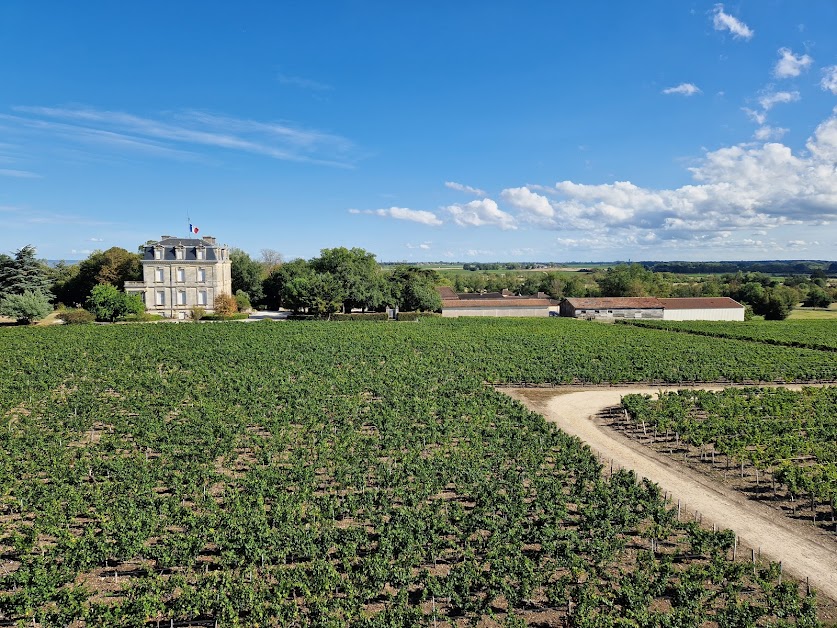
(807,314)
(812,333)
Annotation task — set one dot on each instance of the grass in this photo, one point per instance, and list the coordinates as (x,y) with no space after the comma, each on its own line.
(813,314)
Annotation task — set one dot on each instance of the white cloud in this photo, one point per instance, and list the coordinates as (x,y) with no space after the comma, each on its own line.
(424,246)
(766,132)
(684,89)
(746,187)
(829,79)
(403,213)
(95,239)
(481,213)
(724,21)
(532,206)
(459,187)
(770,98)
(790,65)
(18,174)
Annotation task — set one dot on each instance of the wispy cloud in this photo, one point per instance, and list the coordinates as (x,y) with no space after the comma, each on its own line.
(765,133)
(302,83)
(725,22)
(684,89)
(829,79)
(402,213)
(459,187)
(186,132)
(769,99)
(19,174)
(95,239)
(424,246)
(790,65)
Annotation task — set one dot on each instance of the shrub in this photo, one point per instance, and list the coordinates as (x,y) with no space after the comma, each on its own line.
(242,300)
(197,313)
(108,304)
(225,305)
(76,316)
(27,307)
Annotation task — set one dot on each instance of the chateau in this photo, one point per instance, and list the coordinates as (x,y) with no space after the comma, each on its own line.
(182,273)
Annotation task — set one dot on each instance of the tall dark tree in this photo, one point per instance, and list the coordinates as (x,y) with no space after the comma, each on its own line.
(23,273)
(246,275)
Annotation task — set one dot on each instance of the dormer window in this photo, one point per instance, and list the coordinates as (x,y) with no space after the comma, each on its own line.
(199,253)
(158,253)
(178,252)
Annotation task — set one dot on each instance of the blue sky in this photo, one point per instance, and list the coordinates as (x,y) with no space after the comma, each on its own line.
(472,130)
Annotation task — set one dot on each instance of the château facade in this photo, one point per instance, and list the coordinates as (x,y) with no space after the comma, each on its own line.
(182,273)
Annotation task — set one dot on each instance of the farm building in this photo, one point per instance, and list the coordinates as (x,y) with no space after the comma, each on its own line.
(680,309)
(702,309)
(495,304)
(612,307)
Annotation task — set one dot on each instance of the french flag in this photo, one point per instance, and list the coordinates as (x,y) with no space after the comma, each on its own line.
(193,229)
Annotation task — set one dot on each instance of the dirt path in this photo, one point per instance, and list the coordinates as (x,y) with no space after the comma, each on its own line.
(805,552)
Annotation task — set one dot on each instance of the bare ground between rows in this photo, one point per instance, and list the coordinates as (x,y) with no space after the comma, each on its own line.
(805,552)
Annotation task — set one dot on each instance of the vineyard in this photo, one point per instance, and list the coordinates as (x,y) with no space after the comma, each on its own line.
(362,474)
(786,440)
(812,334)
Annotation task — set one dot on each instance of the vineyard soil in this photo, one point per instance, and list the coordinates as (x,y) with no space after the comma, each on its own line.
(803,551)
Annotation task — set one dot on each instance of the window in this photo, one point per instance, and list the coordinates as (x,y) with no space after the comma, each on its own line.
(201,297)
(159,275)
(158,253)
(198,253)
(181,297)
(178,252)
(181,275)
(161,297)
(202,275)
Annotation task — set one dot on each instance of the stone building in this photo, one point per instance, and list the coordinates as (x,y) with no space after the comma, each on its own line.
(182,273)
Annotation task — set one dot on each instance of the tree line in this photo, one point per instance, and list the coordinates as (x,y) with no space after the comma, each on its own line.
(345,280)
(767,296)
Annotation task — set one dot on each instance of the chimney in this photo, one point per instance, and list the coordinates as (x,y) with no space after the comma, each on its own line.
(209,239)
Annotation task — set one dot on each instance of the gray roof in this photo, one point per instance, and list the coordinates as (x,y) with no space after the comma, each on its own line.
(189,244)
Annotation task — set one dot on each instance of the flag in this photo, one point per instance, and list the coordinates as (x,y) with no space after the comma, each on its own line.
(193,229)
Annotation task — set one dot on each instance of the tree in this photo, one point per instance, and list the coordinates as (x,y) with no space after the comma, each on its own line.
(246,275)
(27,307)
(778,303)
(109,304)
(414,289)
(23,273)
(274,285)
(114,266)
(633,280)
(270,259)
(357,271)
(817,297)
